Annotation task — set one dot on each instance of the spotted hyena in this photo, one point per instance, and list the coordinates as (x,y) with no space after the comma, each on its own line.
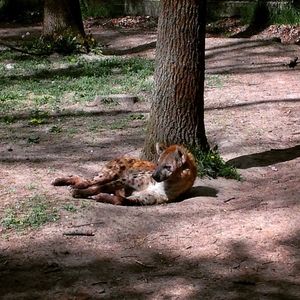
(130,181)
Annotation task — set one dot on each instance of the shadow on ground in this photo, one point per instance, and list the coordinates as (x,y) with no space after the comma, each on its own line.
(265,158)
(147,273)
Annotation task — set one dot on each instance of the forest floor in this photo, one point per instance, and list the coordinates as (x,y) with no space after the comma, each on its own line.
(228,240)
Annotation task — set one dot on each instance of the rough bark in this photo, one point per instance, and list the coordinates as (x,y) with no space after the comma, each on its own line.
(177,111)
(62,16)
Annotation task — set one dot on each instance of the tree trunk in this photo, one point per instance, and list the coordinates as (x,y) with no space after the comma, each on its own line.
(177,111)
(62,17)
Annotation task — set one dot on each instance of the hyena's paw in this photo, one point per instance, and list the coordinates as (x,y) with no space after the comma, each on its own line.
(76,193)
(81,185)
(61,181)
(108,198)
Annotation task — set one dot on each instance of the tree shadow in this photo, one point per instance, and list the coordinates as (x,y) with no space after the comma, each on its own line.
(197,191)
(131,50)
(147,272)
(244,56)
(252,103)
(265,158)
(204,191)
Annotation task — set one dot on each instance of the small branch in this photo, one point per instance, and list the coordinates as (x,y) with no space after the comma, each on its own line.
(244,282)
(229,199)
(99,282)
(142,264)
(78,233)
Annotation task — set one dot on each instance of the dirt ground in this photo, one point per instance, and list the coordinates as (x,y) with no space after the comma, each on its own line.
(228,240)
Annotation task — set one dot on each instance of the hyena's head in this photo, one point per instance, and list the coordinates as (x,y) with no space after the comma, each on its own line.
(171,160)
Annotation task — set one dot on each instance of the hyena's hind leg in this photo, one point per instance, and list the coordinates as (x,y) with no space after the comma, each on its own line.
(116,187)
(79,182)
(74,181)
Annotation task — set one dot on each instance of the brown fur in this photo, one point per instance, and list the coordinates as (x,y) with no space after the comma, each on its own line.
(130,181)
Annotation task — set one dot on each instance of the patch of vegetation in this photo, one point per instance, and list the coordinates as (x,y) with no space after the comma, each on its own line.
(134,117)
(256,13)
(110,102)
(55,129)
(260,13)
(65,44)
(31,213)
(105,9)
(38,117)
(216,81)
(286,14)
(70,207)
(7,119)
(42,84)
(34,139)
(118,124)
(212,164)
(124,122)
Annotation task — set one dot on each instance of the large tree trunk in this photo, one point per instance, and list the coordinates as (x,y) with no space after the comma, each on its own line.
(177,111)
(62,17)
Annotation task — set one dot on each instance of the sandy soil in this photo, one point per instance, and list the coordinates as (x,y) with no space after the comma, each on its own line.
(228,240)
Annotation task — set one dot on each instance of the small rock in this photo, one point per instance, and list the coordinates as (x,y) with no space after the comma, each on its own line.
(9,66)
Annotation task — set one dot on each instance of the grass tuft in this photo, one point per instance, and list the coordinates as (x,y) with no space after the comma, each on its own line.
(286,14)
(260,13)
(212,164)
(32,213)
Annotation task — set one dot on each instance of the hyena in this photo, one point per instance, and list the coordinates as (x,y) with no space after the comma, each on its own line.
(130,181)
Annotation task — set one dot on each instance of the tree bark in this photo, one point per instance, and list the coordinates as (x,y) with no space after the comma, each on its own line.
(177,111)
(62,16)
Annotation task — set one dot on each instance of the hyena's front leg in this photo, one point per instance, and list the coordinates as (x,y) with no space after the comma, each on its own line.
(134,200)
(109,198)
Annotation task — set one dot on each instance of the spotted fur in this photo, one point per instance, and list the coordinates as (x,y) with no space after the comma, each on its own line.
(130,181)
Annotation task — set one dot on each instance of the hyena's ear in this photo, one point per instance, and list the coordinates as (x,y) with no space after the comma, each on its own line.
(181,155)
(160,148)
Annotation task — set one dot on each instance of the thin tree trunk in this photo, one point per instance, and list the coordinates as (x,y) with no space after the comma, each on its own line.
(61,17)
(177,111)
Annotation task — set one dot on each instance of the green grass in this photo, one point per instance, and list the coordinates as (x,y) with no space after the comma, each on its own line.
(260,13)
(39,84)
(70,207)
(214,81)
(285,15)
(212,164)
(33,212)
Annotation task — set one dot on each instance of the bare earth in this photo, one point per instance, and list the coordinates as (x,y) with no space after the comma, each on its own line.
(229,240)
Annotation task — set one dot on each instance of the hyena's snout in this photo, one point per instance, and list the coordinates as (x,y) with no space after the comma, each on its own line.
(156,176)
(161,173)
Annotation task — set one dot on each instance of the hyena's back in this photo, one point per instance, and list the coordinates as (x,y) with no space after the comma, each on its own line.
(131,172)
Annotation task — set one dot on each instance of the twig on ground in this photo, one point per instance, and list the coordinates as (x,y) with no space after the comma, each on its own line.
(142,264)
(229,199)
(79,233)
